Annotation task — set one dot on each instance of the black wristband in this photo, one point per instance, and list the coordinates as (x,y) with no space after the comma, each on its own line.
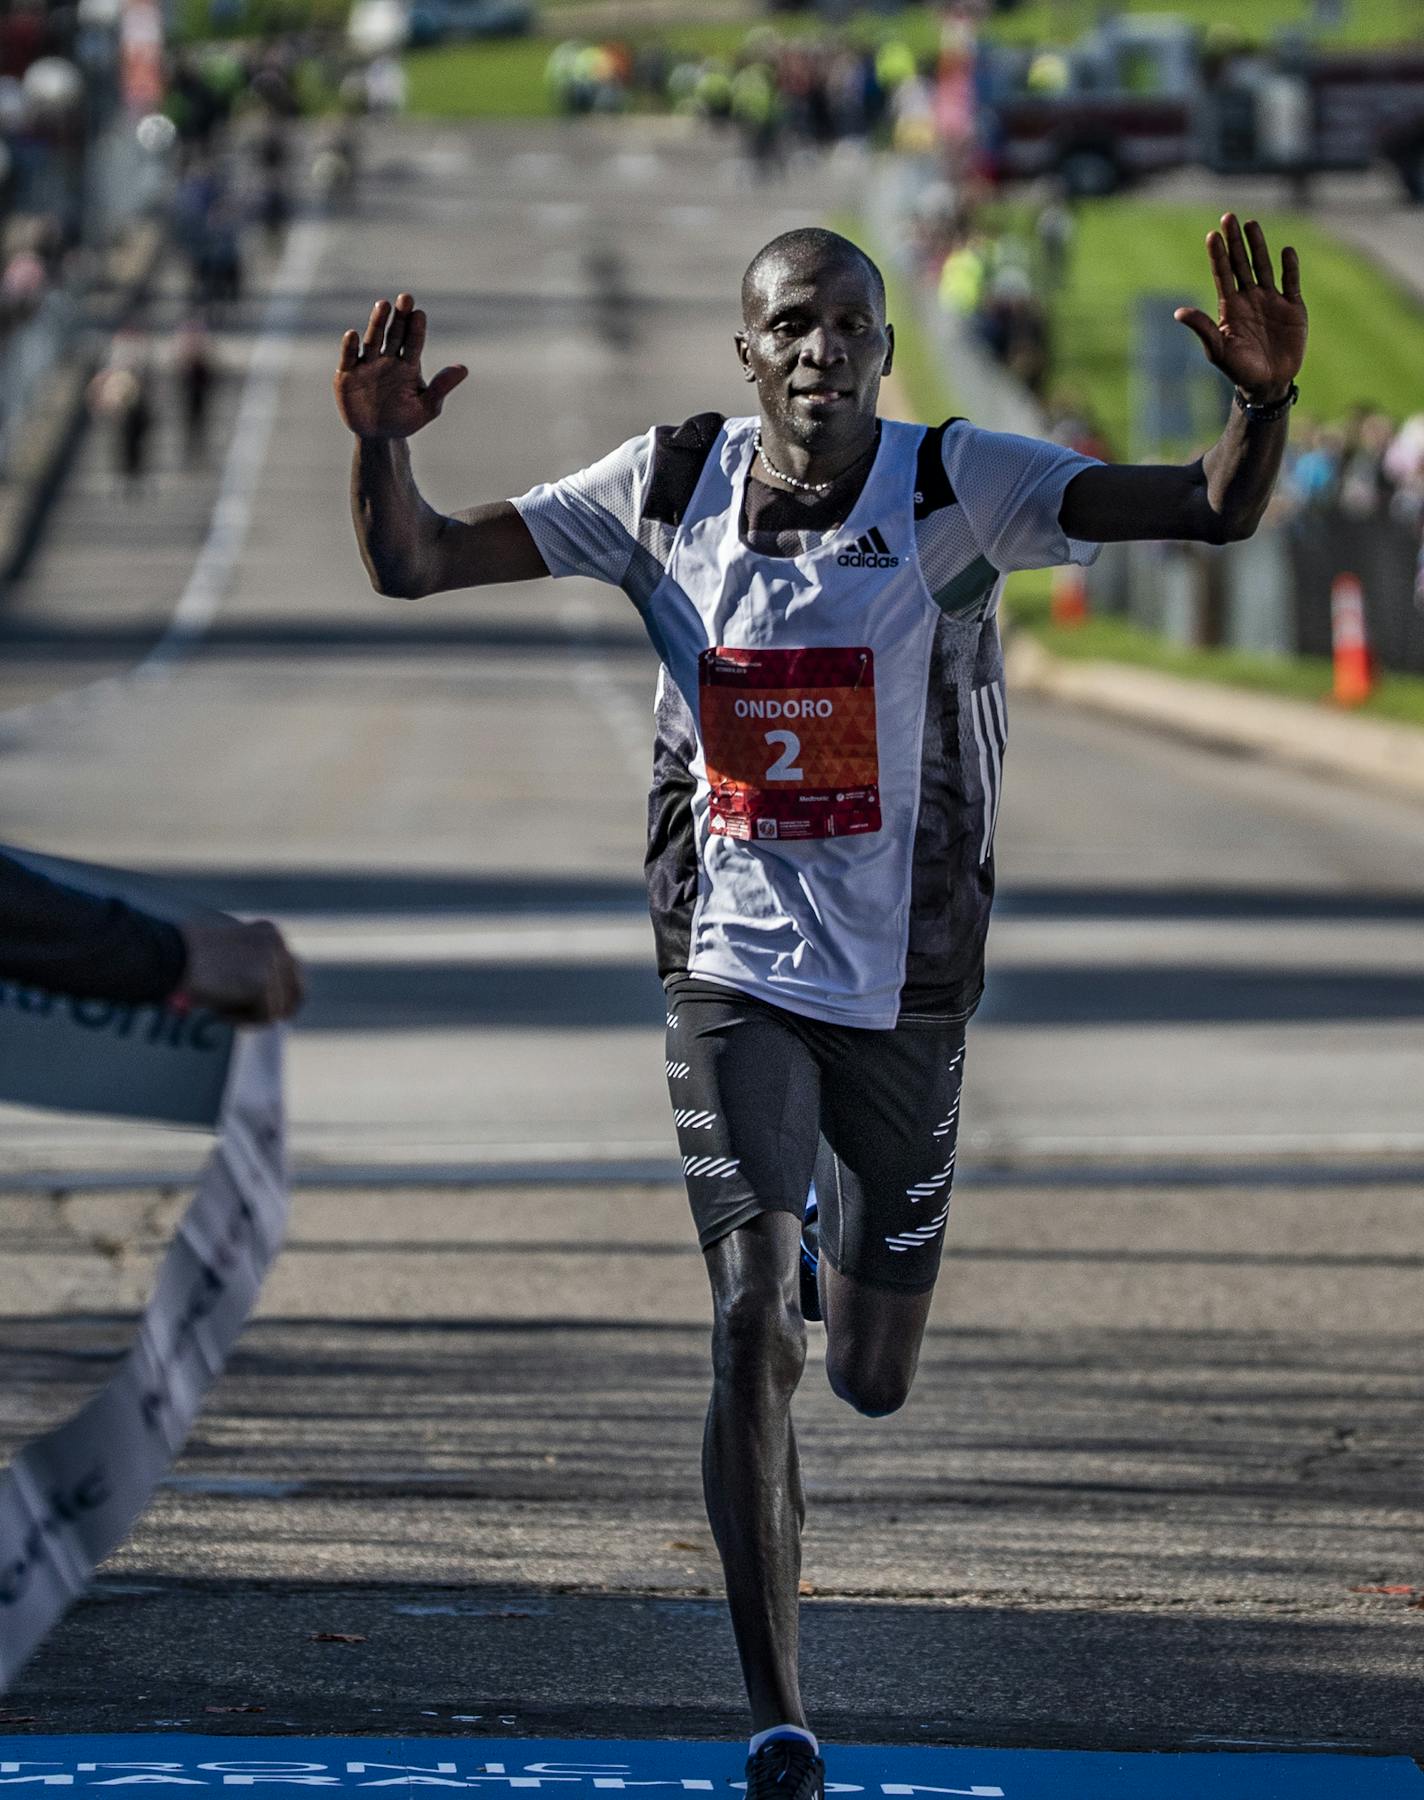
(1271,410)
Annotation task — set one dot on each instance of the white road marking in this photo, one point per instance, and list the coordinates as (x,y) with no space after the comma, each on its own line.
(1308,946)
(537,164)
(549,940)
(632,166)
(447,159)
(232,516)
(625,935)
(242,469)
(694,219)
(559,215)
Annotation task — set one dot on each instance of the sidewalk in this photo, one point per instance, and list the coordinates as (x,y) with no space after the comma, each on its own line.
(1290,731)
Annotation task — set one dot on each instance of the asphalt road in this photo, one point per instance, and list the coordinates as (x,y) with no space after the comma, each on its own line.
(1166,1434)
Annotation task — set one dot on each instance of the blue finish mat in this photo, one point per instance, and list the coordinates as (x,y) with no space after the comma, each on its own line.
(584,1769)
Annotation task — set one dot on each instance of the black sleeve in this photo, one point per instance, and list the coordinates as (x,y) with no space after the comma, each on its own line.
(57,937)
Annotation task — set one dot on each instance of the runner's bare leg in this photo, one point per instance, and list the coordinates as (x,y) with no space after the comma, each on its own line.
(750,1471)
(873,1338)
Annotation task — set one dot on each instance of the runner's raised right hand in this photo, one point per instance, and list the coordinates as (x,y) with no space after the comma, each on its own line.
(379,390)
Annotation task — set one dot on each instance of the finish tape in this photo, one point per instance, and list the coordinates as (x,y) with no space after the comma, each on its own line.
(72,1496)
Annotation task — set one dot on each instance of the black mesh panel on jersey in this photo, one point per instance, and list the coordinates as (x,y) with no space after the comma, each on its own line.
(670,863)
(679,452)
(932,485)
(951,892)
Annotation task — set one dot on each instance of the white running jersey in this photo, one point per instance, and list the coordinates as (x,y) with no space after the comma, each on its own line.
(831,722)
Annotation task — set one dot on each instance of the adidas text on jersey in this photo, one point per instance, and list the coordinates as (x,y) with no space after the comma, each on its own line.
(870,552)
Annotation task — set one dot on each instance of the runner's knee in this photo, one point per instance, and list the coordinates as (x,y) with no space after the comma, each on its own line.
(872,1389)
(758,1337)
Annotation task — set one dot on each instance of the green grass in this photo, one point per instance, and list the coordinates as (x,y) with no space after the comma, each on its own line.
(1364,330)
(502,80)
(1366,21)
(1398,697)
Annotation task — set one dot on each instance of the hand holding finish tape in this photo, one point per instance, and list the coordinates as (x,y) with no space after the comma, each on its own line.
(111,1007)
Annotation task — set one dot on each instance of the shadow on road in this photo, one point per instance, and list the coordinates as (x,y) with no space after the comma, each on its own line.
(23,642)
(1239,904)
(1095,1537)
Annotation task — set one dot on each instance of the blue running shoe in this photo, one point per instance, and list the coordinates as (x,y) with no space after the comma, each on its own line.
(786,1768)
(811,1257)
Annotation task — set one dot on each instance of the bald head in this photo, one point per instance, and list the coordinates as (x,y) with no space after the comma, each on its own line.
(805,255)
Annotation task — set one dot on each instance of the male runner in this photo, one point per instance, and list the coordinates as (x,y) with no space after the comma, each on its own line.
(820,586)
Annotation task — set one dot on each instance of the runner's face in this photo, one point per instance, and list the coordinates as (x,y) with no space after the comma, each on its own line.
(816,344)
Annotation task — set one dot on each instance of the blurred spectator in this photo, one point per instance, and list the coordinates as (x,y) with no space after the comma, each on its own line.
(963,274)
(1014,325)
(1314,468)
(1365,486)
(31,253)
(121,398)
(808,91)
(219,260)
(913,131)
(196,375)
(1364,468)
(385,85)
(756,107)
(1404,465)
(713,92)
(193,103)
(336,162)
(273,154)
(1054,231)
(588,78)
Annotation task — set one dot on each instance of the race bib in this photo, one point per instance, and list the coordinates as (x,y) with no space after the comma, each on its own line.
(789,741)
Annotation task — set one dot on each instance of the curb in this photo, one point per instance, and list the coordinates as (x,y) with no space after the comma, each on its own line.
(52,432)
(1373,751)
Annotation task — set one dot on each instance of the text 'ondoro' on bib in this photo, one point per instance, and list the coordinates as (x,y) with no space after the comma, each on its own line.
(789,739)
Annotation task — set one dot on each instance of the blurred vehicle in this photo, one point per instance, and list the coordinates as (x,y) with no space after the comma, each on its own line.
(1144,93)
(446,21)
(378,27)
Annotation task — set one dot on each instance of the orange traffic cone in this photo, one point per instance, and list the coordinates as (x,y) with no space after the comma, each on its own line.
(1354,672)
(1068,597)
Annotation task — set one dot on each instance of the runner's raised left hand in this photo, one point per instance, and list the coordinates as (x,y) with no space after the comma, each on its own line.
(1258,337)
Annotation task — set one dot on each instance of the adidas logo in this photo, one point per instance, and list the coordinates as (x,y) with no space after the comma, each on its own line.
(870,552)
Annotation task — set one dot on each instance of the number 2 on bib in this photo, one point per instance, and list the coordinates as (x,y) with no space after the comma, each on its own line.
(789,742)
(783,769)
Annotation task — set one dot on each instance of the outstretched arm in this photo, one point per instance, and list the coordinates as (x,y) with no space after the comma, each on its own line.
(409,548)
(97,947)
(1258,342)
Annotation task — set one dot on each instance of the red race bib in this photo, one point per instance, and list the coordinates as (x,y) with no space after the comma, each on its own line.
(789,739)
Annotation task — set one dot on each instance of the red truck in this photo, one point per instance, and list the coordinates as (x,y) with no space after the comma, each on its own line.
(1145,93)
